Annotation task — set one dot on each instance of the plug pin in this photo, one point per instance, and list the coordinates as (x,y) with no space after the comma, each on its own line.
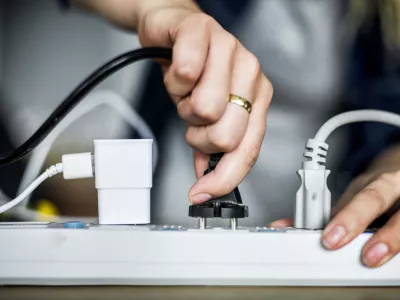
(233,222)
(202,223)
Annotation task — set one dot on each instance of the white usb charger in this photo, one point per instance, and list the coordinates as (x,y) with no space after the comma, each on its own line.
(123,175)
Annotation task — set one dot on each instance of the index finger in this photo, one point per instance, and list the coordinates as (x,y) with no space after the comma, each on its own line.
(234,166)
(190,50)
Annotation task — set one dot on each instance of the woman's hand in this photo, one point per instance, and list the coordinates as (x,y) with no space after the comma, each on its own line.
(372,195)
(208,65)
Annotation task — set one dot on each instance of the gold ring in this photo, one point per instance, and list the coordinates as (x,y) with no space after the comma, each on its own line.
(241,102)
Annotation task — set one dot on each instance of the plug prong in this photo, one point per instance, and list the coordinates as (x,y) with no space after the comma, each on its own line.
(233,222)
(202,223)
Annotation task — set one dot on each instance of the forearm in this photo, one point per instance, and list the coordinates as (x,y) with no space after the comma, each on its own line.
(129,13)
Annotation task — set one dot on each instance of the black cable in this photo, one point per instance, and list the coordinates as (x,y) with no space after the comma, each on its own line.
(79,93)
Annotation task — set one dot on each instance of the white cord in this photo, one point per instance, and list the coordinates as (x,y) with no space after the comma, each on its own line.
(366,115)
(53,170)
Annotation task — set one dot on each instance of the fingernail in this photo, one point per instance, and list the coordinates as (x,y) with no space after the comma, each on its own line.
(376,254)
(200,198)
(334,236)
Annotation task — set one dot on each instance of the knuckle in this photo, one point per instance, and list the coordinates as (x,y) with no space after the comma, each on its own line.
(375,198)
(206,111)
(208,21)
(231,42)
(187,71)
(224,142)
(386,178)
(266,92)
(198,19)
(191,138)
(269,87)
(253,65)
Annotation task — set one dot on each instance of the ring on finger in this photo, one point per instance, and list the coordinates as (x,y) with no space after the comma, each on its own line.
(241,102)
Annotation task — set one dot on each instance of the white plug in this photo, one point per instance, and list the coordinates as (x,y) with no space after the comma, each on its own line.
(123,176)
(78,165)
(313,199)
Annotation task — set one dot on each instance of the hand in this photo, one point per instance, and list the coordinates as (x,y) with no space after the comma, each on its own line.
(372,195)
(208,64)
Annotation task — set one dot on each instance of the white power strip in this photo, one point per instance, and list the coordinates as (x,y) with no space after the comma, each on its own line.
(50,254)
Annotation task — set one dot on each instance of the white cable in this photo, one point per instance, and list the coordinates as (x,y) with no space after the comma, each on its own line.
(53,170)
(366,115)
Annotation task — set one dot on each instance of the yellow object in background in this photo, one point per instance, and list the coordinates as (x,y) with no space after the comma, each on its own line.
(46,207)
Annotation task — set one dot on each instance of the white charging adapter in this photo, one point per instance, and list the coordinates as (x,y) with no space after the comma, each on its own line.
(123,178)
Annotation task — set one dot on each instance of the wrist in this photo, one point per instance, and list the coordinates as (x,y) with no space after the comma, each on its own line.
(157,20)
(121,13)
(129,14)
(145,8)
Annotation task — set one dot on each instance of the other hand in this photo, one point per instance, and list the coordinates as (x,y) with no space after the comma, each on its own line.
(372,195)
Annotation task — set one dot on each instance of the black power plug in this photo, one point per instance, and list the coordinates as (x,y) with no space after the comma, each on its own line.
(229,206)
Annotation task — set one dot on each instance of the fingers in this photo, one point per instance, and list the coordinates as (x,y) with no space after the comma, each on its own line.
(226,134)
(353,189)
(228,131)
(234,166)
(367,205)
(384,244)
(190,52)
(207,101)
(200,80)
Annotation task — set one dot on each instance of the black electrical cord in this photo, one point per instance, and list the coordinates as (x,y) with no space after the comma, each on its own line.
(79,93)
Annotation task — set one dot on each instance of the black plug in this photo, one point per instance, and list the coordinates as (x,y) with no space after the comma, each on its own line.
(229,206)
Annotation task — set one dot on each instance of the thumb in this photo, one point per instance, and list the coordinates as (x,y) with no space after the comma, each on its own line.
(218,182)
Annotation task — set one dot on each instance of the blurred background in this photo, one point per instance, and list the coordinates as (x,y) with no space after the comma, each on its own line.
(323,57)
